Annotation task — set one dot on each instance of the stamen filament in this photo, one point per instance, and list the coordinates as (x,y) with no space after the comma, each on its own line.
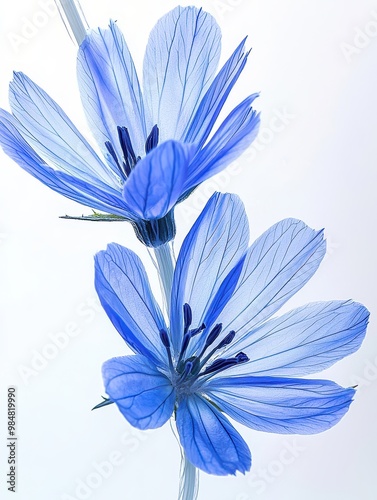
(223,363)
(166,342)
(187,315)
(152,139)
(214,333)
(226,341)
(195,331)
(126,145)
(185,343)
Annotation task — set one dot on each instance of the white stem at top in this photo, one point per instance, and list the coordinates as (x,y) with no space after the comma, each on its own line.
(73,19)
(165,266)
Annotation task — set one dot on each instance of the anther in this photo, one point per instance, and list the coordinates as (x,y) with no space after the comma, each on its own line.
(195,331)
(227,340)
(224,363)
(166,342)
(152,139)
(187,317)
(165,338)
(126,145)
(185,343)
(214,333)
(242,357)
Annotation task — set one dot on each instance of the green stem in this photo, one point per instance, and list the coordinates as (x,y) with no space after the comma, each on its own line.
(165,264)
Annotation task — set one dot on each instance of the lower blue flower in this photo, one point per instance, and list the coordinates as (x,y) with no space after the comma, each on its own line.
(222,353)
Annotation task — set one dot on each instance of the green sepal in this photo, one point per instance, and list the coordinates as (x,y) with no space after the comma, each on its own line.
(105,402)
(96,217)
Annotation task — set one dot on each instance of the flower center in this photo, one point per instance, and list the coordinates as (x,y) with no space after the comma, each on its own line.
(186,370)
(129,160)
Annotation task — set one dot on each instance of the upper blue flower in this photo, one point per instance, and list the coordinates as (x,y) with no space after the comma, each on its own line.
(158,143)
(221,352)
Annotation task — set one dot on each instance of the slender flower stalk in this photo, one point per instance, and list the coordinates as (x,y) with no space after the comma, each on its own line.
(73,19)
(189,486)
(165,266)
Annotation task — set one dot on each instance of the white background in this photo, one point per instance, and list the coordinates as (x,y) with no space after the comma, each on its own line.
(316,68)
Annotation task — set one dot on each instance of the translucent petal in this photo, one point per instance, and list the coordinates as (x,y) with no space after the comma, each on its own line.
(214,245)
(143,394)
(233,137)
(50,132)
(286,406)
(14,145)
(211,443)
(124,291)
(212,103)
(110,89)
(181,58)
(276,266)
(305,340)
(155,184)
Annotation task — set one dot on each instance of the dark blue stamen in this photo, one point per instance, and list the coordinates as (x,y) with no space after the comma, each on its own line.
(166,342)
(185,343)
(227,340)
(129,157)
(242,357)
(192,366)
(125,143)
(127,167)
(212,337)
(224,363)
(165,338)
(195,331)
(214,333)
(187,316)
(127,149)
(152,139)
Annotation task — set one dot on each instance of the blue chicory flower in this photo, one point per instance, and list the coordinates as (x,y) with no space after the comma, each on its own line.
(221,352)
(157,144)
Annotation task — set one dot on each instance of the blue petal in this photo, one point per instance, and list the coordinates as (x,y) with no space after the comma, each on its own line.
(286,406)
(124,291)
(105,198)
(212,103)
(155,184)
(304,340)
(233,137)
(143,394)
(50,132)
(214,245)
(210,442)
(181,58)
(110,89)
(276,266)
